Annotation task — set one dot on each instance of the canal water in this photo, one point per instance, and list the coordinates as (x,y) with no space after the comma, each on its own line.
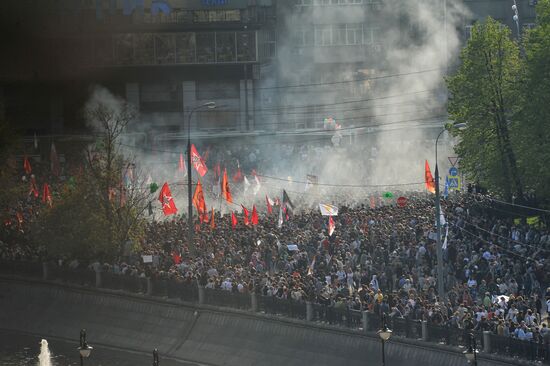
(27,350)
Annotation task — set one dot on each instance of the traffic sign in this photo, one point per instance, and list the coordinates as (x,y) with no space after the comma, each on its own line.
(453,160)
(453,172)
(454,183)
(402,201)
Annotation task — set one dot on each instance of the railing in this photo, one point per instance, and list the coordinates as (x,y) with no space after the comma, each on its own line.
(333,314)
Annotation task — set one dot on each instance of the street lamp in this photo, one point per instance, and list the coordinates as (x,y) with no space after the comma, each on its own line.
(440,284)
(471,352)
(156,357)
(84,348)
(384,335)
(209,105)
(516,16)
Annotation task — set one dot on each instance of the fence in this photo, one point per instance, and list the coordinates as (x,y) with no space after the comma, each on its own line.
(336,315)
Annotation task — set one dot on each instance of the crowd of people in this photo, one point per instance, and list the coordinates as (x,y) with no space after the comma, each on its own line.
(381,257)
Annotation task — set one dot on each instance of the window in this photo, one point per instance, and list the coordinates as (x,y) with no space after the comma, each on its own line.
(165,48)
(211,90)
(161,97)
(354,33)
(323,35)
(246,46)
(225,47)
(185,48)
(205,47)
(144,48)
(124,48)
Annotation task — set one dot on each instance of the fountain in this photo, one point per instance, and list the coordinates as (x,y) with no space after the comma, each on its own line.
(44,358)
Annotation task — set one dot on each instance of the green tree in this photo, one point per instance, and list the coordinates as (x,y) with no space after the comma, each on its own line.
(531,126)
(484,95)
(11,193)
(100,211)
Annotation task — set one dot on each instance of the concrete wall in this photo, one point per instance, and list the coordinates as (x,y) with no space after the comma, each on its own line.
(201,334)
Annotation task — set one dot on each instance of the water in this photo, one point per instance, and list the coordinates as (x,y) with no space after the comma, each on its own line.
(17,349)
(44,358)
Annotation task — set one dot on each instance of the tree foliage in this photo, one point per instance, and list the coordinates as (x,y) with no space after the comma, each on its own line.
(531,126)
(484,95)
(103,208)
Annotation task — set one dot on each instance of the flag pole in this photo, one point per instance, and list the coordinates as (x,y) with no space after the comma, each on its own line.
(190,229)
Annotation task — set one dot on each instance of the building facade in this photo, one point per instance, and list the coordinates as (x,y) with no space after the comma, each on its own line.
(268,65)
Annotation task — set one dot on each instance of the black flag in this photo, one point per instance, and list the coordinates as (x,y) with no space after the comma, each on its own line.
(287,202)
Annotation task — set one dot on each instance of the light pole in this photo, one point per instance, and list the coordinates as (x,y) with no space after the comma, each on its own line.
(440,283)
(471,352)
(190,232)
(156,357)
(516,17)
(384,335)
(84,348)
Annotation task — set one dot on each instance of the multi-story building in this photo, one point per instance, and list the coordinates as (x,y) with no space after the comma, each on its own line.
(165,57)
(269,65)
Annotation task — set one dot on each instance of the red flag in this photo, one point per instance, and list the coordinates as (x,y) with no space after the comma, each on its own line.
(33,187)
(176,257)
(225,187)
(181,165)
(245,214)
(331,226)
(269,205)
(238,176)
(197,161)
(198,200)
(254,215)
(47,195)
(233,220)
(212,222)
(27,166)
(372,202)
(166,200)
(430,184)
(54,161)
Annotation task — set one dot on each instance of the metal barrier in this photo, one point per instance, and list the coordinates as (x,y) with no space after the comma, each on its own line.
(31,269)
(226,298)
(335,314)
(82,277)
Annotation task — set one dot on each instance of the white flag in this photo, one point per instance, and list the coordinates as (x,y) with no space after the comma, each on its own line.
(246,184)
(444,246)
(258,185)
(328,210)
(280,223)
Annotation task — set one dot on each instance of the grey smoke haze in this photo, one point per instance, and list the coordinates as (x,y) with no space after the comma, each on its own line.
(402,107)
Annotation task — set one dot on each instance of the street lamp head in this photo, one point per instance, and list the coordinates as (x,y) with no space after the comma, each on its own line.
(384,333)
(209,105)
(460,126)
(85,351)
(516,18)
(514,7)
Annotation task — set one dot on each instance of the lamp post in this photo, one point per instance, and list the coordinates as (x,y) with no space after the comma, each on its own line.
(156,357)
(190,233)
(440,284)
(84,348)
(516,17)
(471,352)
(384,335)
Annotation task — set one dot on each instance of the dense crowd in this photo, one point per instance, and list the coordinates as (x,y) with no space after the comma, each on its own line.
(381,257)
